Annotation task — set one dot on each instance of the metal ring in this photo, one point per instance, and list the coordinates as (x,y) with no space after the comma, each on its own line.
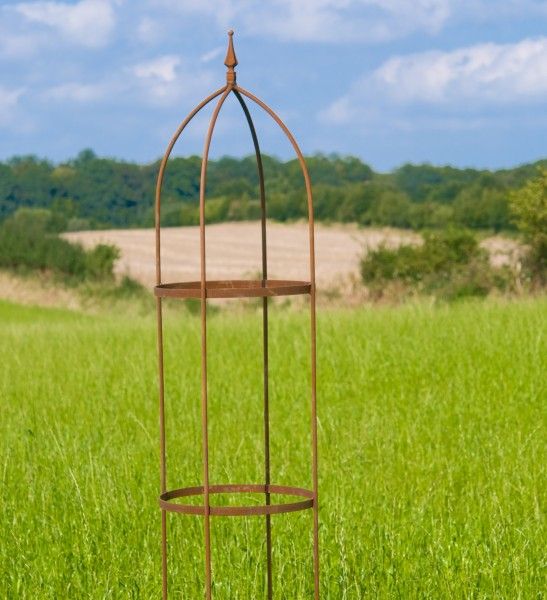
(233,288)
(237,511)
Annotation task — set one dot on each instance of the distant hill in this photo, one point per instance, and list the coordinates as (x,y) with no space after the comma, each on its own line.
(90,192)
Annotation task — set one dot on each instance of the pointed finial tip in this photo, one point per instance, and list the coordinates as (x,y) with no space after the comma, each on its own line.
(230,61)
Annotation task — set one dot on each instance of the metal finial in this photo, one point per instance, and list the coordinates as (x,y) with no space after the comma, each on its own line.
(230,61)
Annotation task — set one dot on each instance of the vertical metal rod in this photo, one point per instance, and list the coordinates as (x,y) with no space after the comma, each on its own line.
(157,211)
(204,416)
(164,554)
(267,475)
(313,336)
(267,446)
(313,333)
(163,469)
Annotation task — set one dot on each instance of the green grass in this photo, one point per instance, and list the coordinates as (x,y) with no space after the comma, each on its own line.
(432,452)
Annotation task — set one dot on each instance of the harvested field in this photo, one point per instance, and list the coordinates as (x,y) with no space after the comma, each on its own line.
(233,250)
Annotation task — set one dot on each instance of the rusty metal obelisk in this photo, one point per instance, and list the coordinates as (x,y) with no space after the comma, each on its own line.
(205,289)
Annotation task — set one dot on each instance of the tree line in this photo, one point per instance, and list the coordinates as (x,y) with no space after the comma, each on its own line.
(90,192)
(450,264)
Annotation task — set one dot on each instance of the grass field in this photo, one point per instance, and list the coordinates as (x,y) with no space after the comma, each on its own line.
(432,452)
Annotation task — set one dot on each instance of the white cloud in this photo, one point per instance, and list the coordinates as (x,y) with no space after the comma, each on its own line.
(343,21)
(461,80)
(78,92)
(349,20)
(163,68)
(165,80)
(157,82)
(495,72)
(321,20)
(212,54)
(88,22)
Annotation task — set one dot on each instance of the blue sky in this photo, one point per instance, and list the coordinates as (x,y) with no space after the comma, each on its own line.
(461,82)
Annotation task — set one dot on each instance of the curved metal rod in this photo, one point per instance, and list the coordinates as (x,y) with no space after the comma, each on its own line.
(204,418)
(203,181)
(265,384)
(161,173)
(262,190)
(303,167)
(157,207)
(307,181)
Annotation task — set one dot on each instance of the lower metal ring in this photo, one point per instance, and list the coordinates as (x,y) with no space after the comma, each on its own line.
(234,511)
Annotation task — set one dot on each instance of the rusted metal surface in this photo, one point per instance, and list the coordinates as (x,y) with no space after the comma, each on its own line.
(265,509)
(265,285)
(204,290)
(234,288)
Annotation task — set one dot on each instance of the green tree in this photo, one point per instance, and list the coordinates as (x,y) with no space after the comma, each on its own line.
(529,210)
(94,192)
(482,208)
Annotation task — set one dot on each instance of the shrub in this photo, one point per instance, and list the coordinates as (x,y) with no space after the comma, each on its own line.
(384,264)
(100,261)
(475,278)
(529,209)
(449,264)
(28,241)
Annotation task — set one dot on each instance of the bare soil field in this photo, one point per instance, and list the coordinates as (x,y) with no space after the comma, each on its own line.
(233,251)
